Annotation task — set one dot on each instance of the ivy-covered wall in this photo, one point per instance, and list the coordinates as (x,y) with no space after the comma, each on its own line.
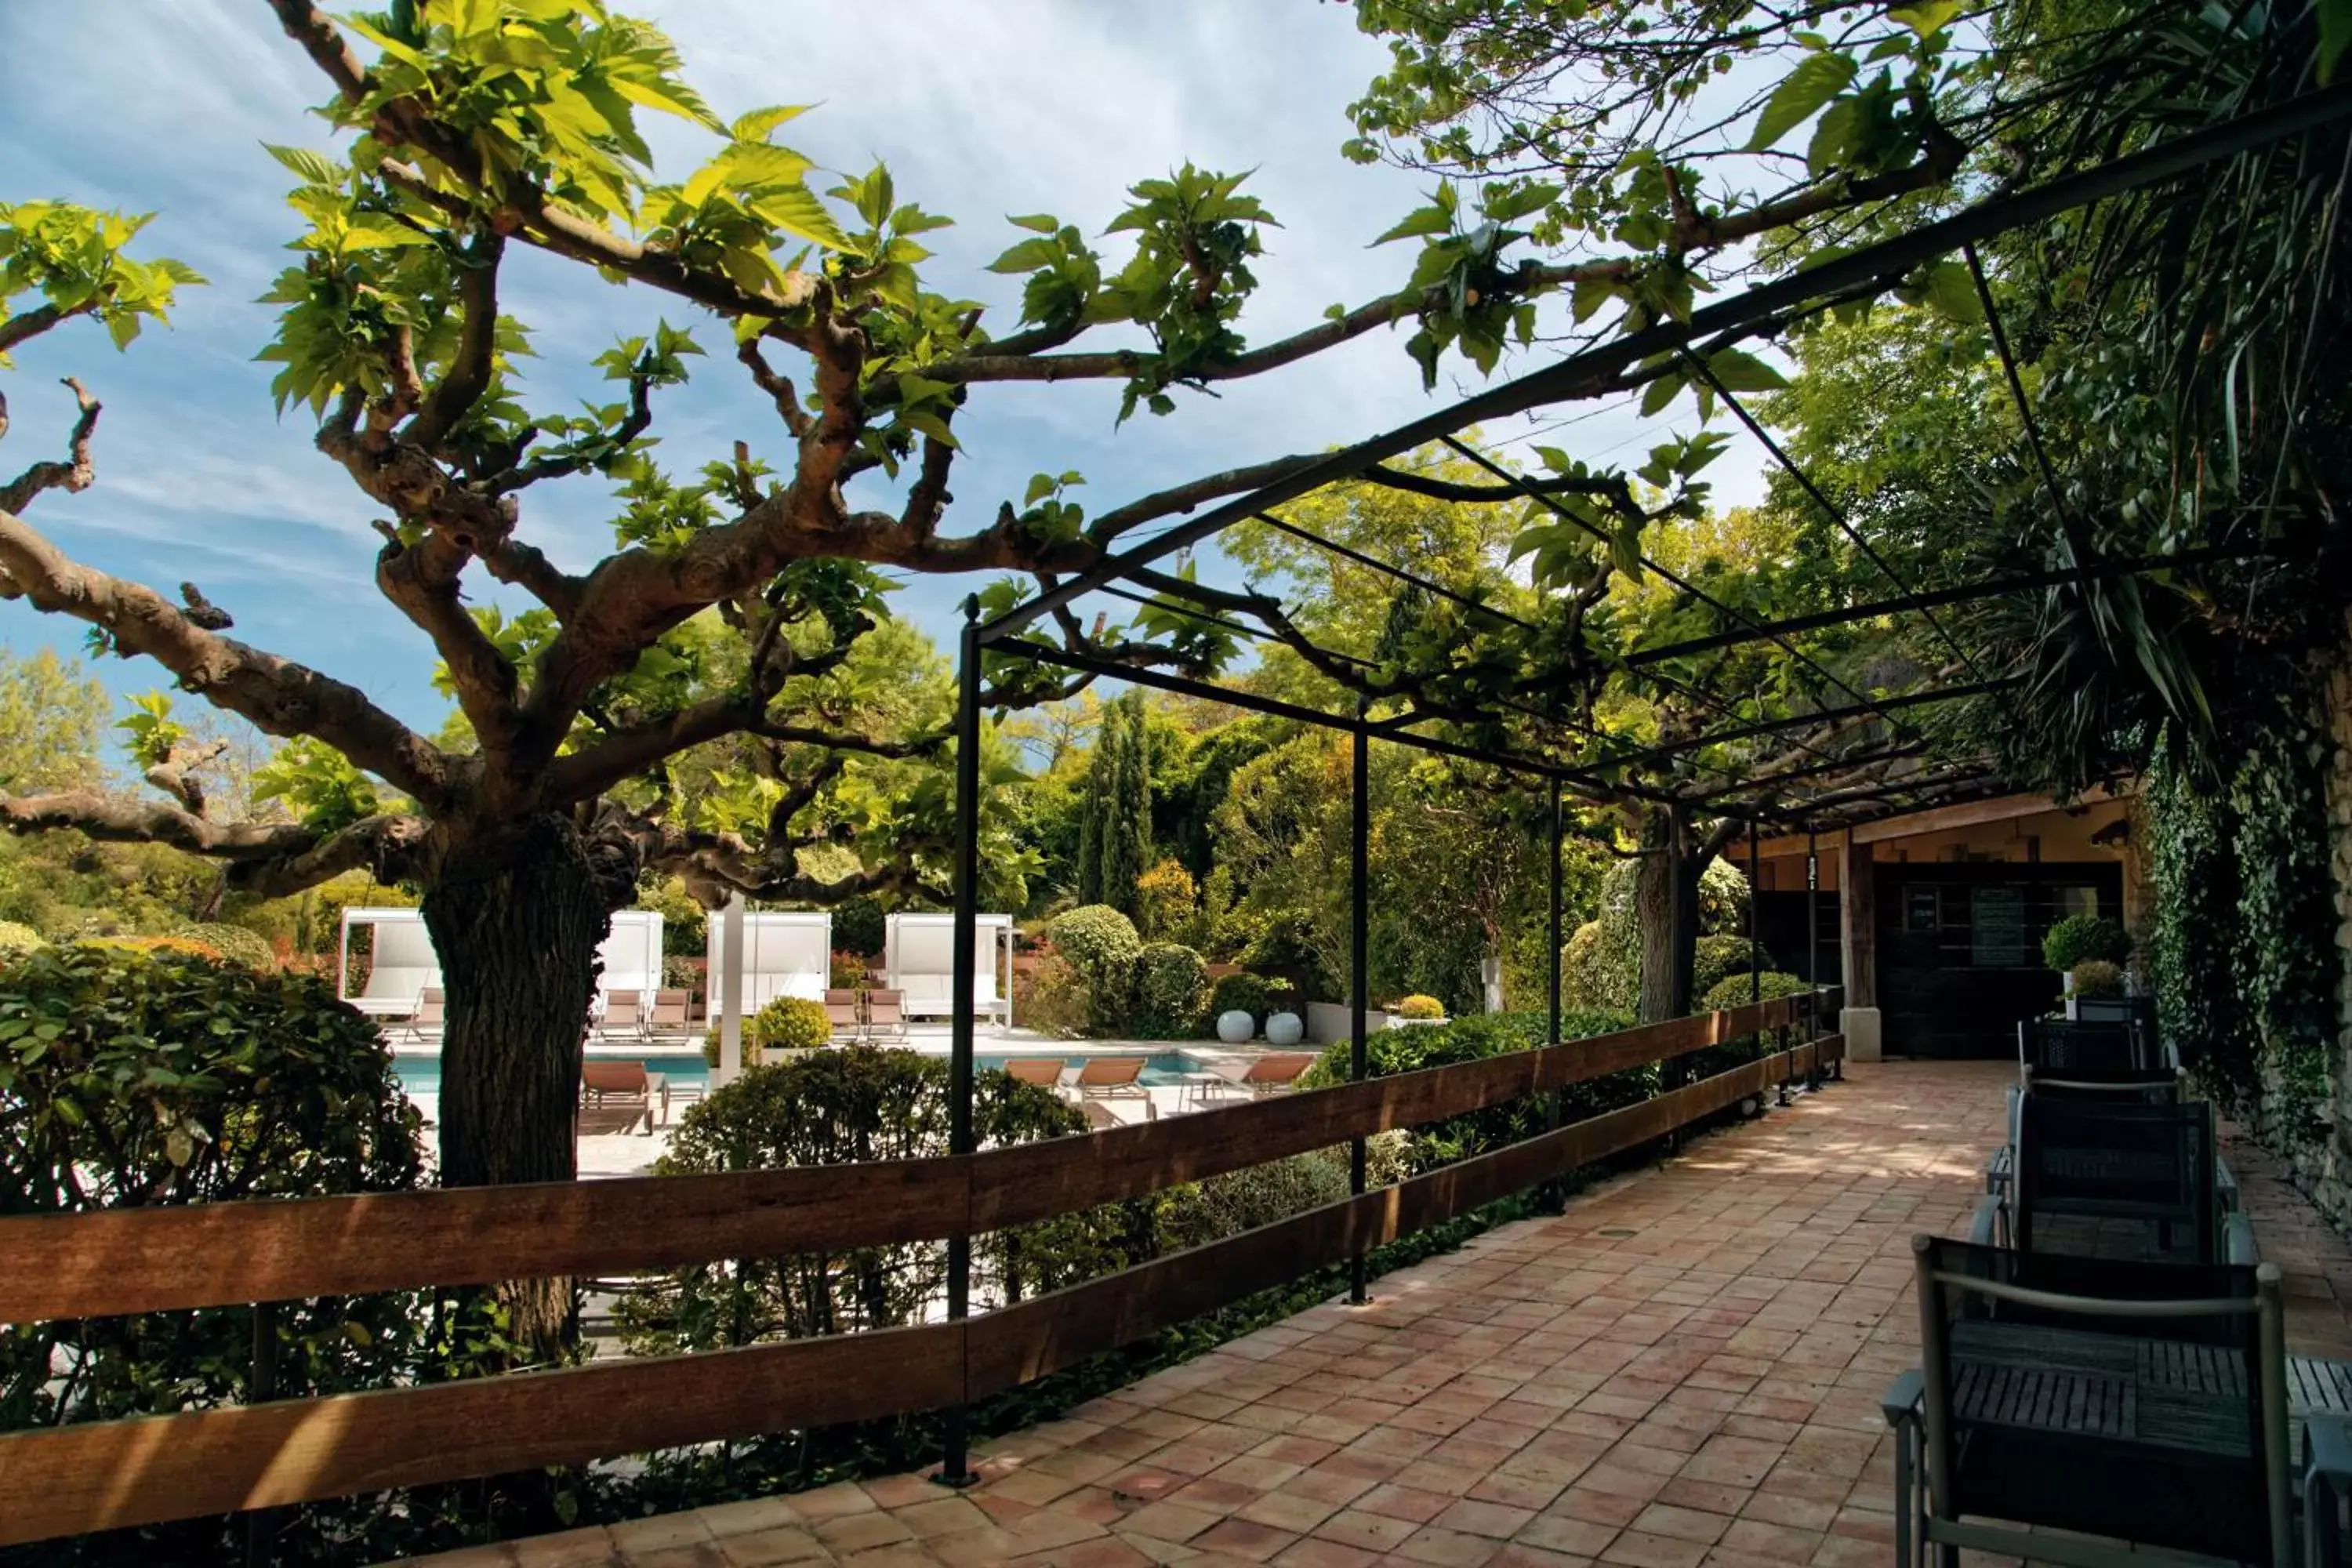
(2248,948)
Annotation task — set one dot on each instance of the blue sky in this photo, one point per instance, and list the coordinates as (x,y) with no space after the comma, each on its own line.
(1014,106)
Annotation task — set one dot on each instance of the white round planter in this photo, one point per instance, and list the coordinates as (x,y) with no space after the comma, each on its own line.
(1285,1030)
(1235,1028)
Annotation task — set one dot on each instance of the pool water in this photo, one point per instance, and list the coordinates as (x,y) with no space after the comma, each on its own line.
(422,1074)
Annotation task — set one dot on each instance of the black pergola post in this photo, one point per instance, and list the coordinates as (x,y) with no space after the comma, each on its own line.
(1813,945)
(1554,1193)
(955,1467)
(1755,932)
(1358,947)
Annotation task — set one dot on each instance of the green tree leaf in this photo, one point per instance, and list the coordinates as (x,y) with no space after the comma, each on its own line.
(1816,79)
(1739,371)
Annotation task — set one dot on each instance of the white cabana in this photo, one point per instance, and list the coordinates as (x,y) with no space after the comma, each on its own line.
(786,952)
(401,967)
(918,952)
(632,954)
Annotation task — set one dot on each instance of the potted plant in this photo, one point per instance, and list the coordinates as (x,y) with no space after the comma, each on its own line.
(2084,939)
(1416,1011)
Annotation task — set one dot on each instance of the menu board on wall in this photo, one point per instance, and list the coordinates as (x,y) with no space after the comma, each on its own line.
(1997,928)
(1920,909)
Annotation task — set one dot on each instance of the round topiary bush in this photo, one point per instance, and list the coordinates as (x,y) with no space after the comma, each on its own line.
(134,1079)
(1417,1007)
(1171,988)
(788,1024)
(184,946)
(2078,937)
(1100,945)
(1720,958)
(17,937)
(235,944)
(1734,991)
(843,1106)
(2098,979)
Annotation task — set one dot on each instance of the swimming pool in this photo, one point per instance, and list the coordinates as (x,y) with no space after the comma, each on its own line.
(1163,1070)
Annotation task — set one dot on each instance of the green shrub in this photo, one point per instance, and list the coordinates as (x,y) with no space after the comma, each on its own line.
(1722,899)
(1284,946)
(1244,1200)
(1244,993)
(1721,958)
(183,946)
(1052,999)
(2078,937)
(860,925)
(1734,991)
(134,1079)
(680,972)
(235,944)
(2097,978)
(1417,1006)
(17,937)
(1171,987)
(788,1024)
(1473,1038)
(1166,900)
(850,1106)
(847,971)
(1100,945)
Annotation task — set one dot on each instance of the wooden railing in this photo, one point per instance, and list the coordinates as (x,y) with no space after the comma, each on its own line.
(74,1480)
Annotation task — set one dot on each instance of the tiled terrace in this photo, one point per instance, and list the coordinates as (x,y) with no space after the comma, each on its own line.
(1684,1369)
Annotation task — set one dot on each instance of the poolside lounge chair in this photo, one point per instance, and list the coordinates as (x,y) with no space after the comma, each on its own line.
(624,1016)
(432,1012)
(2144,1403)
(625,1085)
(1045,1073)
(842,1010)
(885,1014)
(668,1021)
(1275,1072)
(1105,1078)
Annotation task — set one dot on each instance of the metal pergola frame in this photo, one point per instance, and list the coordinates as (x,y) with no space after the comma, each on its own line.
(1860,273)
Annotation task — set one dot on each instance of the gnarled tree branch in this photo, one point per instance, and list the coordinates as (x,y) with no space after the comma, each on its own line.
(280,697)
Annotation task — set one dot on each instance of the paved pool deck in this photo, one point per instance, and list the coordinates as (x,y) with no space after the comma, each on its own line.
(1684,1369)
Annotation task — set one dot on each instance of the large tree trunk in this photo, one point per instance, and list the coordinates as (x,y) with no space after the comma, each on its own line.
(1666,904)
(516,915)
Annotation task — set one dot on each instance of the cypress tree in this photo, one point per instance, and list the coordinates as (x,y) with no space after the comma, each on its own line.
(1127,833)
(1094,816)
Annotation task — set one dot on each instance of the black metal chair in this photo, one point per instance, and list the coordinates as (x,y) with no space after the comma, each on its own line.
(2119,1180)
(2076,1051)
(2144,1404)
(2137,1011)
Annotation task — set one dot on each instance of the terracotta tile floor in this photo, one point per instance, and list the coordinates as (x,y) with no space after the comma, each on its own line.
(1684,1369)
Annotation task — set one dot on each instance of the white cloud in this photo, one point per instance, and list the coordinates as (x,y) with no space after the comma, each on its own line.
(981,109)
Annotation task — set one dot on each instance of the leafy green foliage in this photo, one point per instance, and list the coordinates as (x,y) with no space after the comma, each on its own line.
(2079,937)
(2097,978)
(16,938)
(1254,1195)
(788,1024)
(325,791)
(1171,987)
(1101,945)
(234,944)
(1244,993)
(134,1079)
(853,1105)
(72,258)
(149,730)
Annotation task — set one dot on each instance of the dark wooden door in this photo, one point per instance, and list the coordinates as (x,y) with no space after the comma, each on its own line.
(1959,947)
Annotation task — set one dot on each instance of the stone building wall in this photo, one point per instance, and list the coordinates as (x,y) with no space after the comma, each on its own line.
(2332,1186)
